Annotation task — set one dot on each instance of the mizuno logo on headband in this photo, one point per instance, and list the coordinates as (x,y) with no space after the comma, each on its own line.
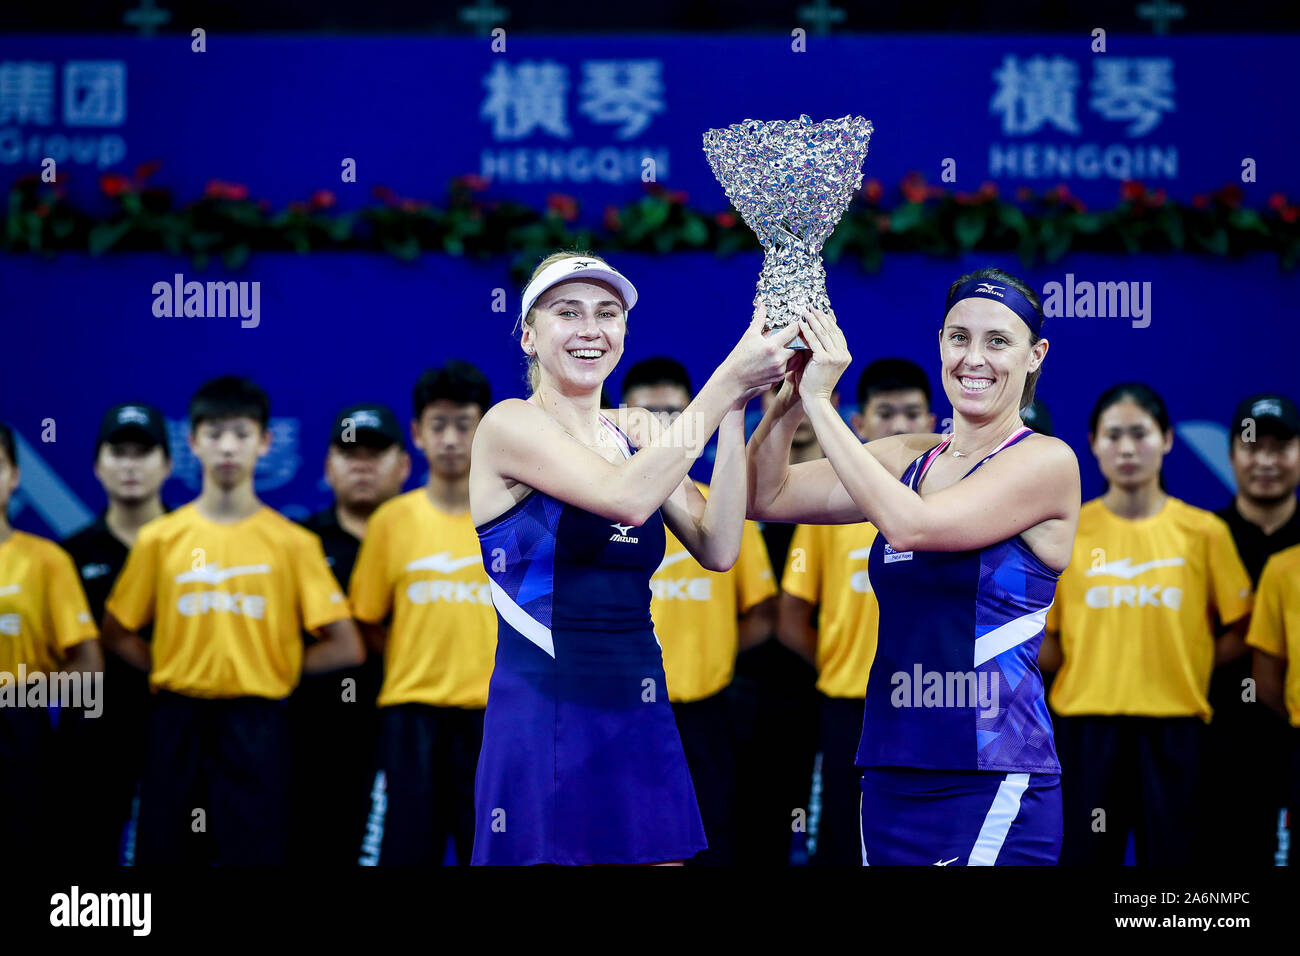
(1009,296)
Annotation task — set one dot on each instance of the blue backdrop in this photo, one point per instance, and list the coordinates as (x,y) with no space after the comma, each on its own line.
(582,114)
(340,328)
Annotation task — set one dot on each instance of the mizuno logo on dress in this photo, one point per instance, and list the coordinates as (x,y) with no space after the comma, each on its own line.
(213,574)
(621,533)
(1127,570)
(443,562)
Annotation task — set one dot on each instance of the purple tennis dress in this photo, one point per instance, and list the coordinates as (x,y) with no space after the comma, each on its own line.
(581,761)
(959,767)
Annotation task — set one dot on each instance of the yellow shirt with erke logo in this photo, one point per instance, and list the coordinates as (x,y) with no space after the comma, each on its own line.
(827,567)
(425,568)
(1275,623)
(696,612)
(43,609)
(228,602)
(1135,611)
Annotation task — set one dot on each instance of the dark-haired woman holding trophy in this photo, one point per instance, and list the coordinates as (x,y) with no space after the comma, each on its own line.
(957,757)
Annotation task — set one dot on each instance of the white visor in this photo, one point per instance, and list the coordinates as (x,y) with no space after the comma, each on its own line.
(577,267)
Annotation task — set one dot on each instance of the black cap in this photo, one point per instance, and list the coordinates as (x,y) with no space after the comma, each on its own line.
(374,426)
(1036,416)
(133,422)
(1273,414)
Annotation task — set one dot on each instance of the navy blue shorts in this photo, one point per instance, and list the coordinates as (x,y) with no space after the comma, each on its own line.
(959,818)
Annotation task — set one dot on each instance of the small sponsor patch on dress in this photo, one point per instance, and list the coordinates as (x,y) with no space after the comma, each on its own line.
(891,555)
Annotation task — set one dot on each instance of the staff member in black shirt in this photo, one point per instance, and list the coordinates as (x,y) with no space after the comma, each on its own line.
(132,460)
(1248,743)
(333,715)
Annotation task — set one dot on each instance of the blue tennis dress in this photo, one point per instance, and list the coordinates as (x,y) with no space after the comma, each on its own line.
(581,760)
(959,766)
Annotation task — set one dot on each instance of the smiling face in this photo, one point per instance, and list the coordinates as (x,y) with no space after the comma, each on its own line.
(986,357)
(1268,468)
(1129,445)
(576,330)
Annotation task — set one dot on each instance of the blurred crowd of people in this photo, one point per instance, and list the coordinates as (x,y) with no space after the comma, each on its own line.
(327,706)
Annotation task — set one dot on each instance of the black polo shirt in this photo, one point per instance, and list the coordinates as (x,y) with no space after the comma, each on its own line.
(99,556)
(119,741)
(1254,546)
(341,546)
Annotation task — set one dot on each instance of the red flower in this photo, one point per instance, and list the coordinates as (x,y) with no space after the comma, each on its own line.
(725,219)
(1061,192)
(1277,202)
(322,199)
(1230,195)
(563,205)
(114,184)
(472,181)
(383,193)
(145,170)
(913,187)
(1289,213)
(1131,190)
(1200,201)
(988,190)
(42,211)
(1024,194)
(611,219)
(872,190)
(218,189)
